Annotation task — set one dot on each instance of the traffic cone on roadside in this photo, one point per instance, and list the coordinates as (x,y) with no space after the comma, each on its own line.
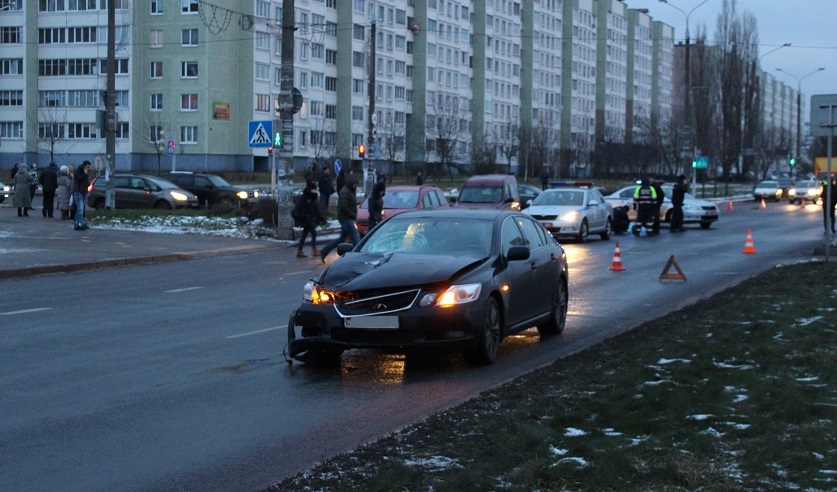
(617,260)
(762,206)
(802,203)
(729,206)
(749,247)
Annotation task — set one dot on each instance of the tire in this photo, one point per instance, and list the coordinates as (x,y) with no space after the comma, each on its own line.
(490,336)
(583,232)
(608,230)
(162,205)
(705,225)
(556,322)
(99,204)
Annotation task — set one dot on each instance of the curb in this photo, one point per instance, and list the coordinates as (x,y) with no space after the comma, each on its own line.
(93,265)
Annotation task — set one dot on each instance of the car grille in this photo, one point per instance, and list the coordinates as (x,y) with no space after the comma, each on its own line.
(545,217)
(709,208)
(375,303)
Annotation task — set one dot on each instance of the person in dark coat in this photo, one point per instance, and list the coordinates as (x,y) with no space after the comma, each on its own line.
(658,203)
(81,180)
(419,179)
(49,183)
(828,210)
(544,179)
(326,188)
(23,200)
(63,193)
(309,212)
(346,215)
(15,169)
(341,180)
(376,200)
(678,193)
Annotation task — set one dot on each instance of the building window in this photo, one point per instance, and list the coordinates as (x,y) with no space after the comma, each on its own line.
(52,99)
(157,70)
(155,39)
(122,130)
(11,129)
(331,111)
(357,59)
(84,99)
(357,113)
(122,66)
(331,84)
(331,57)
(262,40)
(10,35)
(11,98)
(189,70)
(358,87)
(263,102)
(262,72)
(156,7)
(359,32)
(81,131)
(155,134)
(189,6)
(189,37)
(156,102)
(188,134)
(188,102)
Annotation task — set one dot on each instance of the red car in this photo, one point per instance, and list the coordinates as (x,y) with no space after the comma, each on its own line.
(400,199)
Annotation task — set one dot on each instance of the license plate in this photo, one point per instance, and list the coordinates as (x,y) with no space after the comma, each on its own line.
(372,322)
(548,225)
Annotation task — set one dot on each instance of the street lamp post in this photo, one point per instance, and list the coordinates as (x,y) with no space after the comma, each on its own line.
(799,104)
(687,110)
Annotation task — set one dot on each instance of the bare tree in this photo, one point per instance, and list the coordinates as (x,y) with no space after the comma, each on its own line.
(484,155)
(774,144)
(154,133)
(508,134)
(446,127)
(52,128)
(542,146)
(393,143)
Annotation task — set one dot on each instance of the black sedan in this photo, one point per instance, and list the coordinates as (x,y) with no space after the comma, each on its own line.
(453,279)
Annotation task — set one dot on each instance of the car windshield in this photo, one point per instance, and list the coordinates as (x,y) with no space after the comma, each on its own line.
(768,184)
(807,184)
(162,183)
(217,180)
(397,199)
(560,197)
(481,194)
(437,236)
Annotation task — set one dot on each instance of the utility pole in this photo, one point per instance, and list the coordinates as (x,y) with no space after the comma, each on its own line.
(110,111)
(372,117)
(284,192)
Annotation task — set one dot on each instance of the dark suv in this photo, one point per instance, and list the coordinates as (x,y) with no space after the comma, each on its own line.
(212,189)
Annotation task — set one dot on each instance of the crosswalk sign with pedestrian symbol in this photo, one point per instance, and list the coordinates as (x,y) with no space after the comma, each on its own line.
(259,134)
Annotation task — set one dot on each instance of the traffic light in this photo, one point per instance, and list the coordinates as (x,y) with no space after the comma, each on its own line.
(792,162)
(361,149)
(270,151)
(277,140)
(694,164)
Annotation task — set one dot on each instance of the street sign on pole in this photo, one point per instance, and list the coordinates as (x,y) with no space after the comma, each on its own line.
(171,147)
(259,134)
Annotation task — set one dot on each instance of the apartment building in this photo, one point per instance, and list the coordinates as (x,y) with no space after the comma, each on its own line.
(444,81)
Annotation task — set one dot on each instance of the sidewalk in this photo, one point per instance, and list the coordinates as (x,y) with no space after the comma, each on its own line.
(36,245)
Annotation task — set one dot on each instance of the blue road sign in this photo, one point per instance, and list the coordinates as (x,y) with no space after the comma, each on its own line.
(337,166)
(260,134)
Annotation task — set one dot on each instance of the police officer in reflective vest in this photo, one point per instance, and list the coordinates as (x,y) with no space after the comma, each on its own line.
(644,197)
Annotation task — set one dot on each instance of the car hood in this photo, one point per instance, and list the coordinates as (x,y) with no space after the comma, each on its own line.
(361,271)
(551,209)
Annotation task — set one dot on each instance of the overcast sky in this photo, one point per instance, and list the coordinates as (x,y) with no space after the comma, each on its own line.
(809,25)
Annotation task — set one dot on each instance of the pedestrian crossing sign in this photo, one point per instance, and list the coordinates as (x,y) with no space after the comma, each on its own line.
(259,134)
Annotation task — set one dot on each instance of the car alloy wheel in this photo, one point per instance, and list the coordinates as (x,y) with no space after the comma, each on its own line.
(488,345)
(583,232)
(556,322)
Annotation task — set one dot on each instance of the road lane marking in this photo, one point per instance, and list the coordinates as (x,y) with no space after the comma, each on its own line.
(257,332)
(182,290)
(25,311)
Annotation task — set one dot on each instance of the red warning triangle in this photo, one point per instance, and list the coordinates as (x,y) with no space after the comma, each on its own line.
(672,261)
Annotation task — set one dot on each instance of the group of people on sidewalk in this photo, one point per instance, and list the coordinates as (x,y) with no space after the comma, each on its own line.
(69,186)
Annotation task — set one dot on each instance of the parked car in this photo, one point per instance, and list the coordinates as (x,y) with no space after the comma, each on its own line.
(140,191)
(5,192)
(212,189)
(490,191)
(453,279)
(695,210)
(400,199)
(769,189)
(573,212)
(807,189)
(527,193)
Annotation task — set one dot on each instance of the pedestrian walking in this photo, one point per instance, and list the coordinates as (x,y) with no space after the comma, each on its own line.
(678,193)
(81,180)
(376,200)
(22,182)
(326,188)
(419,179)
(49,184)
(828,205)
(341,179)
(65,184)
(658,203)
(308,215)
(15,169)
(346,215)
(544,178)
(644,197)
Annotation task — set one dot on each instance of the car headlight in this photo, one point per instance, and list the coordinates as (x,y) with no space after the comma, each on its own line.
(314,293)
(242,195)
(691,208)
(791,192)
(455,294)
(814,193)
(569,216)
(180,197)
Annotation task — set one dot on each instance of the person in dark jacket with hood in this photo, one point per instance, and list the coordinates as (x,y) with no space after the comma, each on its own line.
(22,200)
(81,180)
(376,200)
(346,215)
(658,203)
(678,193)
(49,183)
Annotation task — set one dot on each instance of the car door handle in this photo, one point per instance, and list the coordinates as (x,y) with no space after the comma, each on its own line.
(534,265)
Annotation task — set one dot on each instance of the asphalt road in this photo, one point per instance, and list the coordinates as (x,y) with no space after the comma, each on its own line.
(164,377)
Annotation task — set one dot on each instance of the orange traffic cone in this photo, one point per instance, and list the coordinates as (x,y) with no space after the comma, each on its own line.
(749,247)
(617,260)
(729,206)
(802,203)
(762,206)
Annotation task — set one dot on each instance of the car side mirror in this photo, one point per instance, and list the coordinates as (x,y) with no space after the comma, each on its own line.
(517,253)
(509,200)
(344,248)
